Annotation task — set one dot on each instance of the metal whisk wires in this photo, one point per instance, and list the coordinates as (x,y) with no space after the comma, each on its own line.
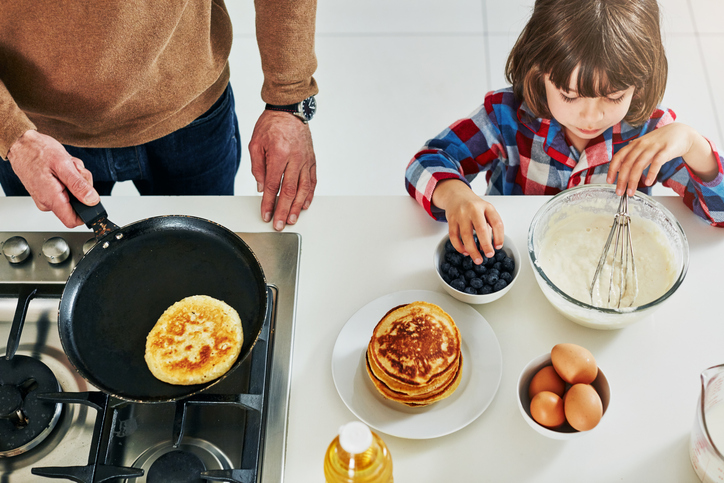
(622,275)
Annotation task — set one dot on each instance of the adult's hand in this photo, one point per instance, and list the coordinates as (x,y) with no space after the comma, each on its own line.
(283,164)
(46,170)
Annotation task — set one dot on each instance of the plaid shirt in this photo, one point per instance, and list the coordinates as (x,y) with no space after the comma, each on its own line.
(525,155)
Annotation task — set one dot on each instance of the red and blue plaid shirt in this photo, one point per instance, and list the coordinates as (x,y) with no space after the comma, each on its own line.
(526,155)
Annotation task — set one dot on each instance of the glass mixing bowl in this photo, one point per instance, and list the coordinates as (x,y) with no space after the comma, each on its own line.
(603,199)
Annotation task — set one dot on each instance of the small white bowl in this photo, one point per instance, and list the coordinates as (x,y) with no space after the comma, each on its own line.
(508,247)
(566,431)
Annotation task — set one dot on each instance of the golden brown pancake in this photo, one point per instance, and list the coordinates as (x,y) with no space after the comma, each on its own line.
(413,390)
(415,343)
(414,355)
(196,340)
(418,400)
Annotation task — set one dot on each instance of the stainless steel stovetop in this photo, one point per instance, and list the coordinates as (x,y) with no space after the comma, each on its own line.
(235,429)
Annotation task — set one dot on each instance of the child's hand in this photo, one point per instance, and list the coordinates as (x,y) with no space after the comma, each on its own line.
(656,148)
(468,214)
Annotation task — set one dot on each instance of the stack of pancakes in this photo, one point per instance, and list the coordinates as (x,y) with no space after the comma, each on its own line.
(414,354)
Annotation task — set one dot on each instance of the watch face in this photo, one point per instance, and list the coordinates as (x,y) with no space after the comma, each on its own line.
(309,107)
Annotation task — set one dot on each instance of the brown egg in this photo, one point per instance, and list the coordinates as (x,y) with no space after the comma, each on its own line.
(582,407)
(546,408)
(546,379)
(574,363)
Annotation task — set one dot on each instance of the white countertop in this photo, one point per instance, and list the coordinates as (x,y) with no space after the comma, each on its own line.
(356,249)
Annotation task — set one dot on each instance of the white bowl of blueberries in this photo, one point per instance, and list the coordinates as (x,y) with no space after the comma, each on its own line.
(477,284)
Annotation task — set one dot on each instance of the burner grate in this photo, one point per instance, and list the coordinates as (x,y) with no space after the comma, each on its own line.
(135,434)
(25,419)
(96,470)
(110,425)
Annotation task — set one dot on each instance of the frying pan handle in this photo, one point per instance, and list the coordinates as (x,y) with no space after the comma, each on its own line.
(94,217)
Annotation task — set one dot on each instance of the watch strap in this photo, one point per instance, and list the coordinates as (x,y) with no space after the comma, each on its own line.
(304,110)
(293,108)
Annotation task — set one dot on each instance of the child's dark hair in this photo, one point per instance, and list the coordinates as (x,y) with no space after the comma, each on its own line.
(616,43)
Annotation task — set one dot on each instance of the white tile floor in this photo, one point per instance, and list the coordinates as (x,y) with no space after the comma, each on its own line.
(394,73)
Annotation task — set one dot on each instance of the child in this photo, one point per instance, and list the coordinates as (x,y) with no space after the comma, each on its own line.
(586,77)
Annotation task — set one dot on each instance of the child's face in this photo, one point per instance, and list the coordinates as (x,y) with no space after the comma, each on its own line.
(584,118)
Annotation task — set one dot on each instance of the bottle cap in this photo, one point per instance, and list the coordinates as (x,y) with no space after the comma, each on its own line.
(355,437)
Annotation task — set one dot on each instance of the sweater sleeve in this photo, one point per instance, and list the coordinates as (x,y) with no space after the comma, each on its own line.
(704,198)
(461,151)
(285,35)
(14,121)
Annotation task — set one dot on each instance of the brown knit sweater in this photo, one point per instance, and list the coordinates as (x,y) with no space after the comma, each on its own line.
(113,73)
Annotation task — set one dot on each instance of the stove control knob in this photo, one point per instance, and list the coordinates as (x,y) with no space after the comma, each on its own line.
(16,249)
(55,250)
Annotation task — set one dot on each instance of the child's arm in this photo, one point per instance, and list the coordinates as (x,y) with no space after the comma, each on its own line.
(438,176)
(467,214)
(655,149)
(679,158)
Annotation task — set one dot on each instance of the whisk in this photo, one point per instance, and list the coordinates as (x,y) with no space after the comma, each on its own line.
(622,266)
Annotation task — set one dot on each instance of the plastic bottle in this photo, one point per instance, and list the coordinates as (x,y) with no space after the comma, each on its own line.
(357,455)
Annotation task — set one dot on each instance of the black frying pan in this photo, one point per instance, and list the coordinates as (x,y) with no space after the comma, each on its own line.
(120,288)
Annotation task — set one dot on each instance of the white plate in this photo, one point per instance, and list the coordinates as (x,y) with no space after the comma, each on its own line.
(482,370)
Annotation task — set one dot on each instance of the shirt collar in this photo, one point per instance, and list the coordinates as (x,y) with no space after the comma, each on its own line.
(599,151)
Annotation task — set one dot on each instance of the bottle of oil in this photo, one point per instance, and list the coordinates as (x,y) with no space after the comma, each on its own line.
(357,455)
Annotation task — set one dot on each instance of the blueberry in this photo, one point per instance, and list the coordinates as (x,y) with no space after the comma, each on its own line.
(458,284)
(467,263)
(491,279)
(470,290)
(476,283)
(445,267)
(454,258)
(449,246)
(446,277)
(507,276)
(470,274)
(498,266)
(494,271)
(508,264)
(499,255)
(500,285)
(486,289)
(489,261)
(453,272)
(480,269)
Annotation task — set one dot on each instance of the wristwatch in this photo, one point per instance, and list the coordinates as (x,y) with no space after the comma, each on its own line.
(303,110)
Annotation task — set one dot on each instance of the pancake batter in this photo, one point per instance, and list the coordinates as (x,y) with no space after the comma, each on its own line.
(573,245)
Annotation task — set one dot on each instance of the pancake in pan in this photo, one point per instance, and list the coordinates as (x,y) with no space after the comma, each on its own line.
(196,340)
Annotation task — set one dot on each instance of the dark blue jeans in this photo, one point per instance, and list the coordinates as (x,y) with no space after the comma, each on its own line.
(199,159)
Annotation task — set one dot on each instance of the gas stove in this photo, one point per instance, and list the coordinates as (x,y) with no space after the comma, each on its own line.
(54,424)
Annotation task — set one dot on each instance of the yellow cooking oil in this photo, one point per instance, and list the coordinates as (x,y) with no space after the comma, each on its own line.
(357,455)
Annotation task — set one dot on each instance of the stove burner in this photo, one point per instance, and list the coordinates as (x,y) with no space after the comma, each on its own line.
(211,457)
(25,420)
(176,467)
(122,441)
(11,400)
